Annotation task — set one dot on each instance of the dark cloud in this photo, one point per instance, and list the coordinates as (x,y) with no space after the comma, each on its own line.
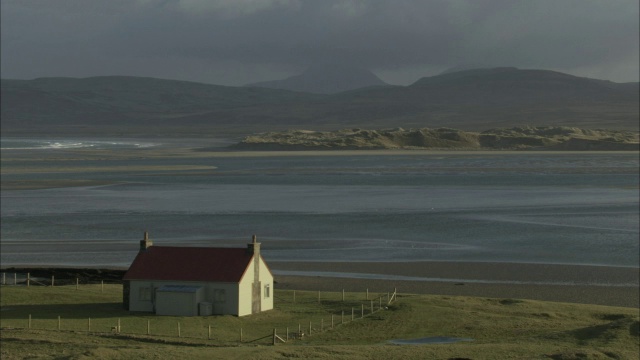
(240,41)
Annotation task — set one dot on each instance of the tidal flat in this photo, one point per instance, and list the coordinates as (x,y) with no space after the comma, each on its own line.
(562,225)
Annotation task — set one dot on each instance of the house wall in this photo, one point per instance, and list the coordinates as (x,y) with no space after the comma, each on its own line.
(223,296)
(267,279)
(245,289)
(178,303)
(244,292)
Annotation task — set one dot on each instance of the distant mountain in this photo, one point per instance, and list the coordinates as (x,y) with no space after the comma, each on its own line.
(325,79)
(123,103)
(470,100)
(470,66)
(509,85)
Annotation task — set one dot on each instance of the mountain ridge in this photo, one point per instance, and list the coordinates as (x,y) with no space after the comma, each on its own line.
(468,100)
(325,79)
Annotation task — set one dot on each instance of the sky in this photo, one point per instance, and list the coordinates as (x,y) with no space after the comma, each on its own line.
(235,42)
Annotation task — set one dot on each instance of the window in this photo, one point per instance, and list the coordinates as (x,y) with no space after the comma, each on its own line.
(267,291)
(219,295)
(144,294)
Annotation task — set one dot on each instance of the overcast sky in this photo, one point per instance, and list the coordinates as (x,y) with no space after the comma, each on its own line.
(234,42)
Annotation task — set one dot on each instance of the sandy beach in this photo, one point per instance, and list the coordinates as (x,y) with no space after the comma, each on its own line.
(22,162)
(598,285)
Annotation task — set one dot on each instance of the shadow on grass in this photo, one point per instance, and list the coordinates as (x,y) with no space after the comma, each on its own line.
(606,332)
(160,340)
(258,339)
(69,311)
(634,329)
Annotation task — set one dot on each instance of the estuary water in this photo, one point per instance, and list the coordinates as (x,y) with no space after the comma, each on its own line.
(530,207)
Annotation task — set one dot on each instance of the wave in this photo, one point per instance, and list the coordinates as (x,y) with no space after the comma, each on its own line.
(45,144)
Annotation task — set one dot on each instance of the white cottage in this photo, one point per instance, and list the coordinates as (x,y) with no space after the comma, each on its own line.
(191,281)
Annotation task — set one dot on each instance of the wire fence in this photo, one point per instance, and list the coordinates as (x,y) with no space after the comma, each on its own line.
(341,308)
(25,279)
(326,311)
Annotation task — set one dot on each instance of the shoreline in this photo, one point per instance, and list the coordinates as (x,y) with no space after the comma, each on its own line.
(68,176)
(582,284)
(593,295)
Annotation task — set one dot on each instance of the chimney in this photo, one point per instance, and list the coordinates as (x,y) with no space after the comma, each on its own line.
(254,247)
(145,243)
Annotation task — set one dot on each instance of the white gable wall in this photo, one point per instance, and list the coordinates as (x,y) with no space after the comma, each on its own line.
(245,303)
(267,280)
(244,291)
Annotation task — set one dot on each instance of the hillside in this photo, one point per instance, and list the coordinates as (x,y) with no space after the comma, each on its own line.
(325,79)
(470,100)
(529,138)
(121,101)
(39,321)
(514,86)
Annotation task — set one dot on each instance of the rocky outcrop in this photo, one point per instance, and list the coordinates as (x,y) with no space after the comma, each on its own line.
(517,138)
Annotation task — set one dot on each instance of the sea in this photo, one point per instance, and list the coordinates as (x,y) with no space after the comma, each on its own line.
(522,207)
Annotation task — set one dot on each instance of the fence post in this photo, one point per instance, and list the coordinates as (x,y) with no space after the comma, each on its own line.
(52,281)
(4,279)
(299,330)
(77,283)
(148,327)
(240,334)
(318,296)
(118,329)
(179,329)
(15,278)
(209,333)
(309,328)
(29,321)
(342,295)
(294,296)
(367,297)
(28,279)
(101,285)
(287,336)
(59,323)
(274,336)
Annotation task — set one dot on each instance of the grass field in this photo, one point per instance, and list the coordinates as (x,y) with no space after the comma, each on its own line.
(500,328)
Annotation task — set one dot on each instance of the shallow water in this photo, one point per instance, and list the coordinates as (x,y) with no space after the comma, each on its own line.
(528,207)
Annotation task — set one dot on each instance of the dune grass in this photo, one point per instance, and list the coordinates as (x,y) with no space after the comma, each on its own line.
(500,328)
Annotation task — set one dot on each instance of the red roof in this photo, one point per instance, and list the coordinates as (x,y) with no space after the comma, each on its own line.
(189,264)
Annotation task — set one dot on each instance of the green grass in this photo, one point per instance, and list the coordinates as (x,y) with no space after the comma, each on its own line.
(501,328)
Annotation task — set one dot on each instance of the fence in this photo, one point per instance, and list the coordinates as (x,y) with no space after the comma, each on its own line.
(25,279)
(353,308)
(328,311)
